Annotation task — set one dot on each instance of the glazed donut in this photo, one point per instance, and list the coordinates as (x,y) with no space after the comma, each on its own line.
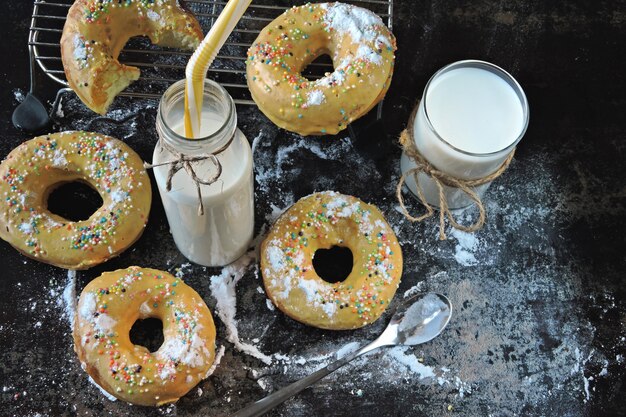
(321,221)
(36,167)
(362,51)
(96,31)
(107,309)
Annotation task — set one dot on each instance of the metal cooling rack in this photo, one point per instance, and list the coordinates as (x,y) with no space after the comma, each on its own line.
(160,67)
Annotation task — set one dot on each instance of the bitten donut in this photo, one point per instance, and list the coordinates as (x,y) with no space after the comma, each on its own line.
(362,51)
(321,221)
(96,31)
(109,306)
(35,168)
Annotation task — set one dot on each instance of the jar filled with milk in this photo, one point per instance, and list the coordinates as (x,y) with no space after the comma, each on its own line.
(222,231)
(471,116)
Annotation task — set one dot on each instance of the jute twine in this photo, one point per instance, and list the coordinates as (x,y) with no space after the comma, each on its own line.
(440,179)
(182,161)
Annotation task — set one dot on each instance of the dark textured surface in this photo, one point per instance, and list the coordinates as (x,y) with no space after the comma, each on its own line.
(539,320)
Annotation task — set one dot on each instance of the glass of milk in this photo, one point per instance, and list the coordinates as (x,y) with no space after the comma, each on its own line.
(224,232)
(471,116)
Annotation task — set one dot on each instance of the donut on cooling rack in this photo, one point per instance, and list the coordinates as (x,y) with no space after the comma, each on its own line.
(109,306)
(321,221)
(35,168)
(362,50)
(96,31)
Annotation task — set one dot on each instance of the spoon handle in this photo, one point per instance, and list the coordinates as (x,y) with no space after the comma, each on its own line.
(264,405)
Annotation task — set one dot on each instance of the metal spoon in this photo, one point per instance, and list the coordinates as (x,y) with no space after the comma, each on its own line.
(31,115)
(417,320)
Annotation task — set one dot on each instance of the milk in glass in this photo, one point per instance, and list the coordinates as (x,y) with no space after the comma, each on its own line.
(470,117)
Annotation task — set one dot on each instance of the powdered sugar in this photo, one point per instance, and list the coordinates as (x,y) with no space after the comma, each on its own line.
(400,355)
(329,309)
(368,54)
(118,196)
(310,287)
(80,51)
(167,371)
(417,288)
(275,256)
(69,296)
(347,349)
(104,322)
(58,158)
(334,78)
(223,289)
(191,353)
(145,310)
(579,368)
(18,94)
(467,244)
(315,98)
(152,15)
(88,305)
(25,228)
(218,358)
(359,23)
(59,111)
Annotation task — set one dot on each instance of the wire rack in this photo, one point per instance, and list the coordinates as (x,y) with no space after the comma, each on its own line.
(160,67)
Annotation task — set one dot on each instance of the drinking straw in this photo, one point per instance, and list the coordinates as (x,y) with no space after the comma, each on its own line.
(203,57)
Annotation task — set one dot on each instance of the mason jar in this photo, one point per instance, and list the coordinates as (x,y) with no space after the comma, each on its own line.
(471,116)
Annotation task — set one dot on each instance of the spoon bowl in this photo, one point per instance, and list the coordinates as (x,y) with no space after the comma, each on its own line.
(416,320)
(30,115)
(422,318)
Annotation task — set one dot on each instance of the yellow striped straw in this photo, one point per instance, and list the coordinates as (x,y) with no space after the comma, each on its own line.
(203,57)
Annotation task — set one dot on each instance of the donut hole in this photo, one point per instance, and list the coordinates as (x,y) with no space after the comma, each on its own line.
(75,201)
(147,333)
(318,67)
(333,264)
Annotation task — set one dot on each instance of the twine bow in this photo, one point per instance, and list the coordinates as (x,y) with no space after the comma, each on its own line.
(440,179)
(182,161)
